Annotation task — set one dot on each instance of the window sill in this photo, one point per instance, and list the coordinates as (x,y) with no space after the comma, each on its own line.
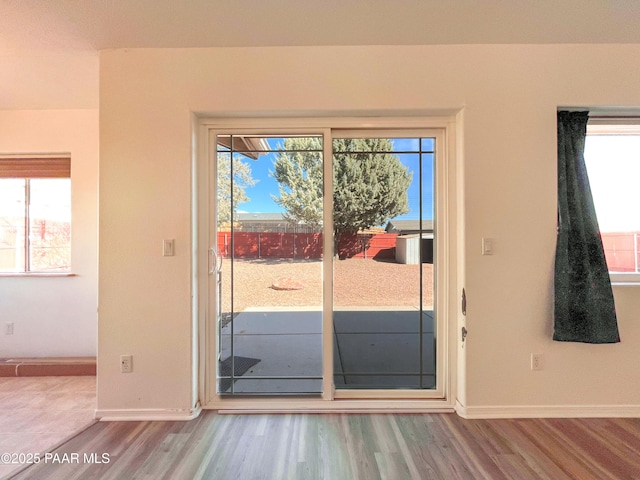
(37,274)
(624,279)
(625,284)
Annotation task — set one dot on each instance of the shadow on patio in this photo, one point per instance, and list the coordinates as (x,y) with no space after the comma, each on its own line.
(280,351)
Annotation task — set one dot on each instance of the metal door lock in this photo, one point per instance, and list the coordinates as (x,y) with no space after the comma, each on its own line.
(464,302)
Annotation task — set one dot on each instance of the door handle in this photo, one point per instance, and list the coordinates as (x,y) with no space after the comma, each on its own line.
(213,260)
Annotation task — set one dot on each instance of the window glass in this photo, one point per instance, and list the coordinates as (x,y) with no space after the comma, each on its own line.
(35,225)
(50,224)
(613,166)
(12,220)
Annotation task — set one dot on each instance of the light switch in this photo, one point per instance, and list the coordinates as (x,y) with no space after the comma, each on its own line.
(168,248)
(487,246)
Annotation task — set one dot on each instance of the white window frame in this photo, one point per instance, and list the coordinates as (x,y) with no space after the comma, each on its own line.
(615,126)
(441,399)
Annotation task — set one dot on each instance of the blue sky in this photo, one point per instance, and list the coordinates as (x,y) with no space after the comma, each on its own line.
(260,193)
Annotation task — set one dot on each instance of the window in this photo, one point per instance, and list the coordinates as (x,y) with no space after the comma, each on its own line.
(612,157)
(35,214)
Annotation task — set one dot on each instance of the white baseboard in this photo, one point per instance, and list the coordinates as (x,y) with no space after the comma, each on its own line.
(148,414)
(481,412)
(549,411)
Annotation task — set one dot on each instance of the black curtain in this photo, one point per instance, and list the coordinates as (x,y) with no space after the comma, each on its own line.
(584,307)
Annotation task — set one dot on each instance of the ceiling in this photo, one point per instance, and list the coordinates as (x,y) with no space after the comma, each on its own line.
(48,48)
(90,25)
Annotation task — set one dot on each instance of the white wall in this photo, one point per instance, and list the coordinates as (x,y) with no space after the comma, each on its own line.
(48,81)
(56,316)
(508,95)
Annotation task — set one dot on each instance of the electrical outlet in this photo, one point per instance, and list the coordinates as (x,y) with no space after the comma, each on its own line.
(536,361)
(126,363)
(8,328)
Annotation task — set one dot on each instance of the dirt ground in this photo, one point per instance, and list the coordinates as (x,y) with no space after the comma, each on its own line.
(357,282)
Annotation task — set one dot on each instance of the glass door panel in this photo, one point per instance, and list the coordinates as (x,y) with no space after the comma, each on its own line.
(383,300)
(269,245)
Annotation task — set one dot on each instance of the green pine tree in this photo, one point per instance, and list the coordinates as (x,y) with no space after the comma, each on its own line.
(369,183)
(241,180)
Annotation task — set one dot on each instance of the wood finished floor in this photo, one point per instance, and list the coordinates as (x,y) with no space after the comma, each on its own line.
(353,446)
(37,413)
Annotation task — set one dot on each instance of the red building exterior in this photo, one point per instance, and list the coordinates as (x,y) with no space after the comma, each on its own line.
(622,251)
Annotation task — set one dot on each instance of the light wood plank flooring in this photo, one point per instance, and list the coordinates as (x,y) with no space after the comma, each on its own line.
(37,413)
(352,446)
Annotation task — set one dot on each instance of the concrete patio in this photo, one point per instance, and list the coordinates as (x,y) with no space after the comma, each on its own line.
(373,348)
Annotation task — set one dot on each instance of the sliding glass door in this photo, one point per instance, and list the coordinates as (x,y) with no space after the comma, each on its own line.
(269,257)
(383,226)
(324,250)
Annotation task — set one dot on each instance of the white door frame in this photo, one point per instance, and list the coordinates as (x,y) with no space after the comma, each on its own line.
(440,399)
